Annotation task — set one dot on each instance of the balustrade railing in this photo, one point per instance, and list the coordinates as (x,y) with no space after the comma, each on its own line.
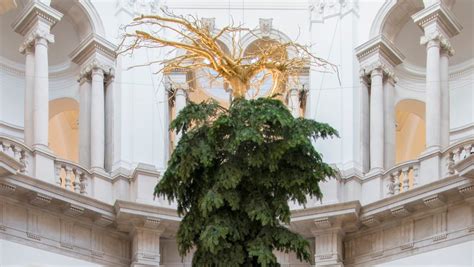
(456,153)
(401,177)
(71,176)
(17,151)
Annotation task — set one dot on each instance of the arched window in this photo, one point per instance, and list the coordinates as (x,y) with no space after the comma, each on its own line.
(63,128)
(410,130)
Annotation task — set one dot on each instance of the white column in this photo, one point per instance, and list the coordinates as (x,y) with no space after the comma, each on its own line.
(376,121)
(365,125)
(445,117)
(433,94)
(109,123)
(180,103)
(389,119)
(41,93)
(97,119)
(84,121)
(29,91)
(294,103)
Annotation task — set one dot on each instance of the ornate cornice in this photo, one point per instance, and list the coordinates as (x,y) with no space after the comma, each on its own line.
(35,11)
(92,46)
(440,15)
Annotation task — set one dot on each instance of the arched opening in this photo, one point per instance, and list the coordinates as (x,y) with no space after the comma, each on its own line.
(64,129)
(410,130)
(263,81)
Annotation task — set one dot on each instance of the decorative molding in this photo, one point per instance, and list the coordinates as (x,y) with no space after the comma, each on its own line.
(7,189)
(441,16)
(103,221)
(379,53)
(33,37)
(32,13)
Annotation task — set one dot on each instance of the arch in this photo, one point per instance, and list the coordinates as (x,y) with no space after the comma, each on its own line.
(258,34)
(83,16)
(410,129)
(64,129)
(392,16)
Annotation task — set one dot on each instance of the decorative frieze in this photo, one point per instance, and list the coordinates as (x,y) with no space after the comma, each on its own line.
(437,18)
(370,221)
(137,7)
(34,13)
(7,189)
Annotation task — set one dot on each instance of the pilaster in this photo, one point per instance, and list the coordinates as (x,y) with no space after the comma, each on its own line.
(328,239)
(146,242)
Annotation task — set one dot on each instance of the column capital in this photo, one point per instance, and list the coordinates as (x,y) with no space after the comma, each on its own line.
(379,68)
(437,18)
(33,37)
(378,53)
(95,65)
(36,15)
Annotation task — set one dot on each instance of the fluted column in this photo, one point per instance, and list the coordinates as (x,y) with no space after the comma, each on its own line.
(29,91)
(97,119)
(294,102)
(180,103)
(376,120)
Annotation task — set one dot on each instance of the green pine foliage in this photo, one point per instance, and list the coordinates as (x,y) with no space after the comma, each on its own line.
(232,174)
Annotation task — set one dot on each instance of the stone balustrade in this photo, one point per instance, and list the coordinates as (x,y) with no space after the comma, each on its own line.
(71,176)
(401,177)
(456,153)
(17,151)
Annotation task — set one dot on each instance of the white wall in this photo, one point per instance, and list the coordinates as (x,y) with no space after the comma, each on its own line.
(14,254)
(454,256)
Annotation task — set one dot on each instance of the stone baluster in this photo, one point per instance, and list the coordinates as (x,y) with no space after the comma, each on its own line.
(397,185)
(68,184)
(77,183)
(57,172)
(406,178)
(82,183)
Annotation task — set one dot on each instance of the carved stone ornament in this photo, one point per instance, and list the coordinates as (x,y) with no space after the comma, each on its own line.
(321,9)
(387,71)
(141,6)
(33,36)
(437,36)
(94,65)
(265,26)
(208,23)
